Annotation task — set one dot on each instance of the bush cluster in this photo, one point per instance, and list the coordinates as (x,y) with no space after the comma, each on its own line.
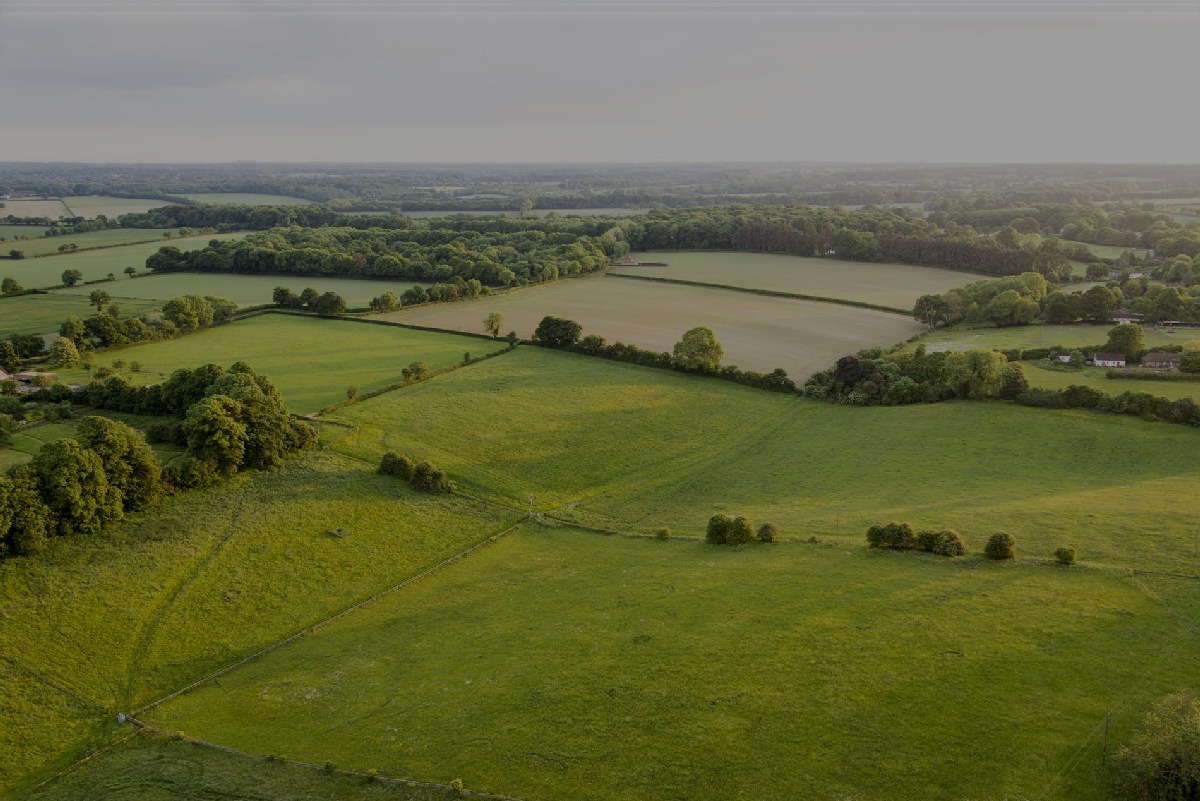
(726,530)
(1000,546)
(902,537)
(421,476)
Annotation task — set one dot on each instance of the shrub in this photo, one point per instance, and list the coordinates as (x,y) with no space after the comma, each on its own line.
(427,478)
(718,529)
(945,542)
(740,532)
(896,536)
(1000,546)
(395,464)
(663,533)
(1065,556)
(768,532)
(1162,760)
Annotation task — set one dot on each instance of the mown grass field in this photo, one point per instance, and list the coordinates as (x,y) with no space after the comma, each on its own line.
(312,361)
(43,314)
(49,245)
(757,332)
(92,206)
(34,207)
(617,445)
(1039,336)
(897,285)
(244,290)
(96,264)
(8,232)
(1115,251)
(205,578)
(561,664)
(248,198)
(1039,376)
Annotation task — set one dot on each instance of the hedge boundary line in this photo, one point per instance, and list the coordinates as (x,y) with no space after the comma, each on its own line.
(330,619)
(771,293)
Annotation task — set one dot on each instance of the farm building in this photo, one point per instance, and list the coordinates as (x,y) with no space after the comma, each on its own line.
(1178,324)
(1160,359)
(30,381)
(630,261)
(1109,360)
(1127,316)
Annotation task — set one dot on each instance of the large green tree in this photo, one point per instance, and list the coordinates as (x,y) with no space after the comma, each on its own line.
(25,521)
(215,432)
(1127,338)
(129,464)
(1162,760)
(71,277)
(74,484)
(699,350)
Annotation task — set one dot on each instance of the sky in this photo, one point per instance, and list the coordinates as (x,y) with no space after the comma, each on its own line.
(600,80)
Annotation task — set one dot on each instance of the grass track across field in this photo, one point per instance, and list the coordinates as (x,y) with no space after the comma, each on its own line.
(564,664)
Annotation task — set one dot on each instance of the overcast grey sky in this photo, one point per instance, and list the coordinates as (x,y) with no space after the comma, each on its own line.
(599,80)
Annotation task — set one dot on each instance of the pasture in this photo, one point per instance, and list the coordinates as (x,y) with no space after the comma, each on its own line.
(247,198)
(35,207)
(27,441)
(97,264)
(897,285)
(570,422)
(203,579)
(1115,251)
(92,206)
(10,233)
(1095,377)
(758,333)
(244,290)
(49,245)
(1038,336)
(43,314)
(312,361)
(561,664)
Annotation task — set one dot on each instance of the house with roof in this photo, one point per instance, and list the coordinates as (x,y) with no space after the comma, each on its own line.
(626,261)
(1127,316)
(1109,359)
(30,381)
(1160,359)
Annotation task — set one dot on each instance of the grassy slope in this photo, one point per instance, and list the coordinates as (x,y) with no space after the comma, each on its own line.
(1038,336)
(215,574)
(43,314)
(758,333)
(245,290)
(559,664)
(312,361)
(47,245)
(565,429)
(95,264)
(887,284)
(91,206)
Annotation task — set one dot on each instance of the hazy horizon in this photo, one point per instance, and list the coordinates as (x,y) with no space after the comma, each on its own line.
(595,82)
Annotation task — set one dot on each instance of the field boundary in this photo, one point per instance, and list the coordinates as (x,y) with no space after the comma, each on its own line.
(330,619)
(771,293)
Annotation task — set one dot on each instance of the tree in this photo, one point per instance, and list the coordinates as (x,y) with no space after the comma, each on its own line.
(932,310)
(1162,760)
(1065,555)
(1189,362)
(189,312)
(9,286)
(1127,338)
(131,271)
(556,332)
(768,532)
(385,302)
(718,529)
(896,536)
(308,297)
(1096,271)
(7,426)
(64,353)
(492,324)
(10,360)
(945,542)
(526,207)
(330,304)
(216,434)
(395,464)
(98,298)
(25,520)
(415,371)
(71,277)
(73,484)
(1099,303)
(129,464)
(699,351)
(16,254)
(73,328)
(427,478)
(282,296)
(1000,546)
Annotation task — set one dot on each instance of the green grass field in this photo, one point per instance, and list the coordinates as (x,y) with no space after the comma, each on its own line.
(249,198)
(757,332)
(49,245)
(560,664)
(1114,251)
(1095,377)
(205,578)
(244,290)
(1038,336)
(26,442)
(8,232)
(897,285)
(34,207)
(92,206)
(42,314)
(312,361)
(612,212)
(96,264)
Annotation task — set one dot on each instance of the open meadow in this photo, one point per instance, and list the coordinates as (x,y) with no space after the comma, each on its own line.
(1038,336)
(244,290)
(758,333)
(10,233)
(897,285)
(312,361)
(49,245)
(35,207)
(92,206)
(200,581)
(1096,377)
(43,314)
(562,664)
(97,264)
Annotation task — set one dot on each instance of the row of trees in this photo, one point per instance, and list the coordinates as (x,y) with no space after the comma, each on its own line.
(421,476)
(327,304)
(725,530)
